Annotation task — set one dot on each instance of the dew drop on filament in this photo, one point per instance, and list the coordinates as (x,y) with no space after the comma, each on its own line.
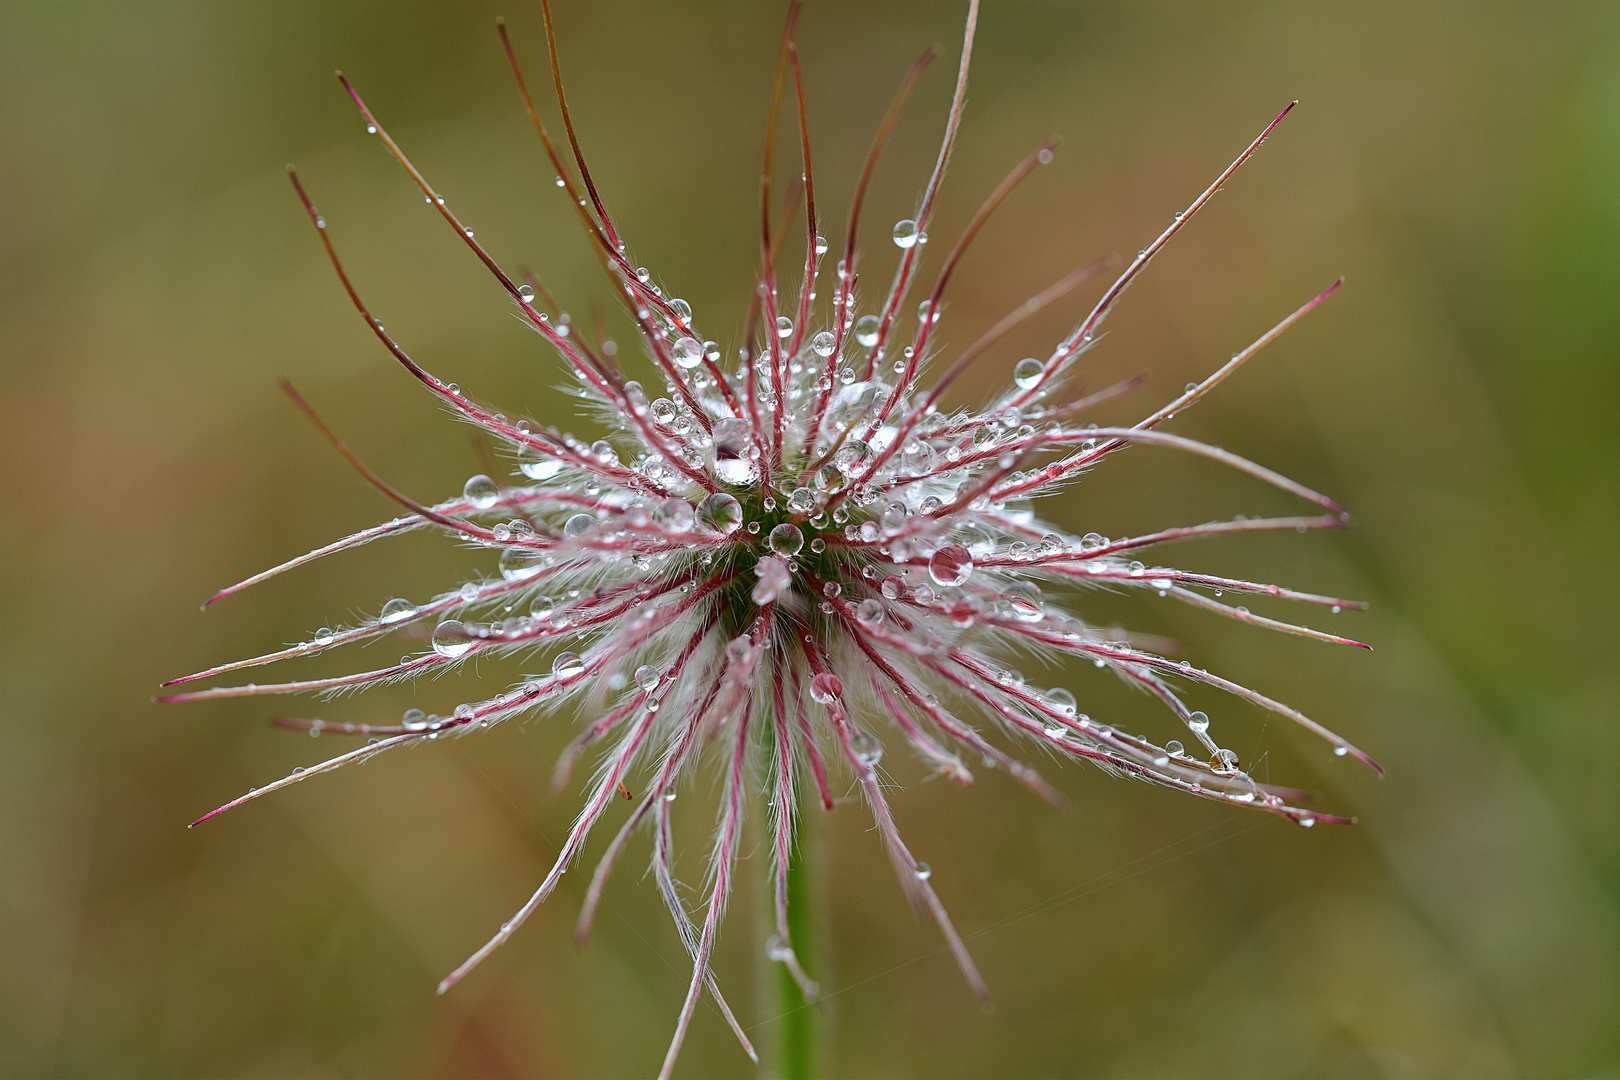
(950,565)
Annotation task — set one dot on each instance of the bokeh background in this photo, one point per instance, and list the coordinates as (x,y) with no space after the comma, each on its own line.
(1458,163)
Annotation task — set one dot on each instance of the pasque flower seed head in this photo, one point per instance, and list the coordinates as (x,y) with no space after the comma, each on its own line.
(801,559)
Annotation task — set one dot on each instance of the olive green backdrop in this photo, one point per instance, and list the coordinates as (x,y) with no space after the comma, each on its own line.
(1459,163)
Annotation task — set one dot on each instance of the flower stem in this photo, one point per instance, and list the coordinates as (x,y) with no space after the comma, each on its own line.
(799,1037)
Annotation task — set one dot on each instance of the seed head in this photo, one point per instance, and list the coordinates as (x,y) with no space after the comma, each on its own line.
(795,556)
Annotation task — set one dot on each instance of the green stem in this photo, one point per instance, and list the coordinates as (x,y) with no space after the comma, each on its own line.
(799,1037)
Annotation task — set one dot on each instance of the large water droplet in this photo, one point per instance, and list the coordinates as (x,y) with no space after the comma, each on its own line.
(786,539)
(673,515)
(866,330)
(950,565)
(481,491)
(917,458)
(1024,600)
(452,639)
(567,665)
(823,343)
(517,562)
(396,610)
(688,352)
(867,748)
(579,525)
(784,326)
(1198,721)
(826,687)
(663,411)
(852,457)
(893,587)
(1027,372)
(1062,699)
(647,676)
(869,611)
(720,513)
(541,468)
(801,500)
(905,233)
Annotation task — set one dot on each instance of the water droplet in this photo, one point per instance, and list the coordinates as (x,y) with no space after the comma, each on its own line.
(1340,751)
(786,539)
(893,587)
(517,563)
(826,687)
(452,639)
(868,751)
(579,525)
(866,330)
(1225,761)
(682,310)
(823,343)
(663,411)
(526,293)
(469,592)
(1062,699)
(1305,821)
(923,871)
(481,491)
(396,610)
(567,665)
(540,469)
(950,565)
(917,458)
(778,950)
(688,352)
(784,326)
(1174,748)
(673,515)
(869,611)
(905,233)
(1024,599)
(852,457)
(1198,721)
(800,500)
(413,720)
(720,513)
(647,677)
(1027,372)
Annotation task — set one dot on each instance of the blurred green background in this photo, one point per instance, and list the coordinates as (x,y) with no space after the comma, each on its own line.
(1459,163)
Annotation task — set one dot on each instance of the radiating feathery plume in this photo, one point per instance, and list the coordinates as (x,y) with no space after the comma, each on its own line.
(795,560)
